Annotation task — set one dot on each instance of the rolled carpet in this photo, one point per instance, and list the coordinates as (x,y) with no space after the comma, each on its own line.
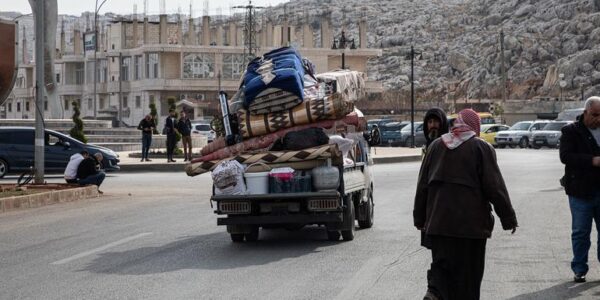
(329,108)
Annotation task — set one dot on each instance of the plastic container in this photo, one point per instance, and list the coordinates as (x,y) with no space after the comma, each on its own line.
(326,178)
(257,183)
(298,182)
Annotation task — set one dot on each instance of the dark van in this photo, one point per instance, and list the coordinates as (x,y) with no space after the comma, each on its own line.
(17,151)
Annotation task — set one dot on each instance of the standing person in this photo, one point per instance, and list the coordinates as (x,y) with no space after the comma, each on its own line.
(580,152)
(171,131)
(89,171)
(73,165)
(435,124)
(147,126)
(184,126)
(459,182)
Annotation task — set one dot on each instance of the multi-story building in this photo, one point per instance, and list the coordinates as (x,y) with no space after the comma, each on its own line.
(140,62)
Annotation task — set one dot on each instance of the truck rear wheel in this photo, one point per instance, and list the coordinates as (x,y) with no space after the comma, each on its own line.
(349,217)
(237,237)
(369,212)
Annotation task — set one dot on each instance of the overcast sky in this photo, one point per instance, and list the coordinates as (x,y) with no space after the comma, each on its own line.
(76,7)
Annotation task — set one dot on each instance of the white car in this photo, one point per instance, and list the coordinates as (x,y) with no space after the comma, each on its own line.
(204,129)
(519,134)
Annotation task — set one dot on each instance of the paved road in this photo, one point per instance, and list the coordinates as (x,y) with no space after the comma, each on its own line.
(153,236)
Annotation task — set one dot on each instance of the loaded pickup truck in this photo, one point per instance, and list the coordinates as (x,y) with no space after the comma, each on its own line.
(336,209)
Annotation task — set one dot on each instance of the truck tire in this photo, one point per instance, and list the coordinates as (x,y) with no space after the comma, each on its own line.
(253,235)
(333,235)
(523,142)
(369,211)
(349,217)
(237,237)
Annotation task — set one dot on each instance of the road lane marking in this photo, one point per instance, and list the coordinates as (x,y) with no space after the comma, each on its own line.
(366,276)
(100,249)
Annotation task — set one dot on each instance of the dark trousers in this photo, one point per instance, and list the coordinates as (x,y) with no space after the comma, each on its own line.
(457,268)
(146,142)
(95,179)
(583,213)
(171,142)
(186,140)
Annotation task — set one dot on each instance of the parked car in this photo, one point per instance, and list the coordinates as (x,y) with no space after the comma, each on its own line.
(489,131)
(485,117)
(17,151)
(419,136)
(569,114)
(378,122)
(519,134)
(549,136)
(204,129)
(391,133)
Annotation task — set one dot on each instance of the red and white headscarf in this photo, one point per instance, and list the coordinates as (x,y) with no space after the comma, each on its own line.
(466,126)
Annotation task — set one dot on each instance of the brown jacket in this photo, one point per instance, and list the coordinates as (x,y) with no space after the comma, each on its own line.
(456,191)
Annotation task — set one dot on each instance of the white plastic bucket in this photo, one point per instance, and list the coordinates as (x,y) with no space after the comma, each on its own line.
(257,183)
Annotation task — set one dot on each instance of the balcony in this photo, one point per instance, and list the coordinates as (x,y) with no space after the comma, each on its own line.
(23,92)
(71,89)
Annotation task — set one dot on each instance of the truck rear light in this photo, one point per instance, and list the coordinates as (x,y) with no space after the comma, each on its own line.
(234,207)
(323,204)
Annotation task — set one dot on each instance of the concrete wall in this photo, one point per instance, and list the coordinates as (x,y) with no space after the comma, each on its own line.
(171,63)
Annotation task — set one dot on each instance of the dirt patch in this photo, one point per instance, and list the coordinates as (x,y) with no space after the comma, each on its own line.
(11,190)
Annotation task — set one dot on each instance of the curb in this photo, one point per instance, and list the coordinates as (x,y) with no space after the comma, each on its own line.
(48,198)
(179,167)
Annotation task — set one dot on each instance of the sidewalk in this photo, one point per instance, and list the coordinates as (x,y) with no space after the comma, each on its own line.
(381,155)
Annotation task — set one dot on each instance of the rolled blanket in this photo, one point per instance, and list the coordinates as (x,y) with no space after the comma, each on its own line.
(329,108)
(265,141)
(272,157)
(351,84)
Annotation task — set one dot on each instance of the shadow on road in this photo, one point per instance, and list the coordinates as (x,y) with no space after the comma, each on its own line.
(567,290)
(213,251)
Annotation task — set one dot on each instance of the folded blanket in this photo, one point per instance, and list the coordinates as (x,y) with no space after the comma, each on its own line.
(273,100)
(350,84)
(273,157)
(329,108)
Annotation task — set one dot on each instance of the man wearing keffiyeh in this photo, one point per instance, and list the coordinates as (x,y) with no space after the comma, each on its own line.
(459,182)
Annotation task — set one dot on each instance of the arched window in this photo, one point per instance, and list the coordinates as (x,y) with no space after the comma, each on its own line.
(198,65)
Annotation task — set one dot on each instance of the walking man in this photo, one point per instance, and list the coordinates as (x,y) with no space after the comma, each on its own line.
(171,131)
(89,171)
(459,182)
(184,126)
(580,152)
(147,127)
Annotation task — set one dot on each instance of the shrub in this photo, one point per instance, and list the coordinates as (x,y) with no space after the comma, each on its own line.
(77,131)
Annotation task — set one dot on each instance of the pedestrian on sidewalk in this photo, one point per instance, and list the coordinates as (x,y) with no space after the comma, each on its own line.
(580,152)
(73,165)
(147,126)
(459,182)
(435,123)
(171,131)
(184,126)
(89,171)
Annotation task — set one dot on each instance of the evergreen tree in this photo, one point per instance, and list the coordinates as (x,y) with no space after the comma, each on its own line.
(77,131)
(154,114)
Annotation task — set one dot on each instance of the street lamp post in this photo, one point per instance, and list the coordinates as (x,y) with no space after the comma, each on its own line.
(412,96)
(562,85)
(95,53)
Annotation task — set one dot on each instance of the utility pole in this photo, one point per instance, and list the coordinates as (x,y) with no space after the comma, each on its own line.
(95,54)
(412,97)
(40,89)
(250,45)
(502,67)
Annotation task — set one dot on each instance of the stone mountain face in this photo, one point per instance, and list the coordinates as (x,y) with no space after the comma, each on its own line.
(459,42)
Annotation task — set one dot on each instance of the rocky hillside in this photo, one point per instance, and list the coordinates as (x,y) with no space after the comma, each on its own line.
(460,44)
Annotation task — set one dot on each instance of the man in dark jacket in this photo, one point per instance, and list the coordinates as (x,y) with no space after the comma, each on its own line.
(435,123)
(147,126)
(171,132)
(89,171)
(580,152)
(458,183)
(185,128)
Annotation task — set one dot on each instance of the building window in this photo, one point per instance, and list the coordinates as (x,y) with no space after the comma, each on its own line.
(66,104)
(10,106)
(102,70)
(46,105)
(112,59)
(125,67)
(90,104)
(137,60)
(18,106)
(125,104)
(233,66)
(152,65)
(102,104)
(20,83)
(198,65)
(79,73)
(27,106)
(138,101)
(57,78)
